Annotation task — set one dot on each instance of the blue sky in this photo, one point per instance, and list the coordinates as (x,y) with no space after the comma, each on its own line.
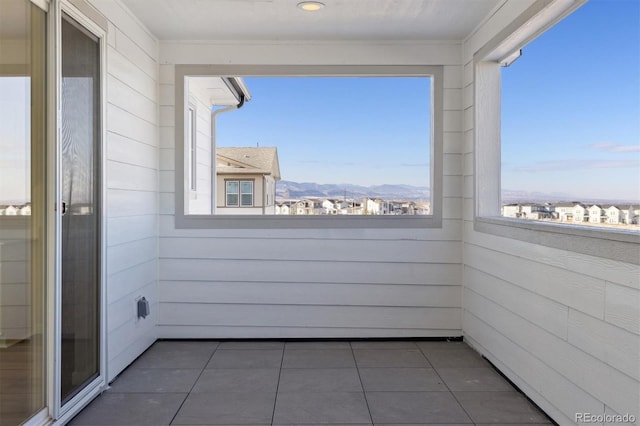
(570,116)
(365,131)
(571,106)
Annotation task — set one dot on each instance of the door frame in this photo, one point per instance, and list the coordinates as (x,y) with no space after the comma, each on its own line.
(58,412)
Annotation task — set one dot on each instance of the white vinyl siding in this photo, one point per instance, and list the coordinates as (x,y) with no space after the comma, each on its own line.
(131,184)
(276,283)
(563,326)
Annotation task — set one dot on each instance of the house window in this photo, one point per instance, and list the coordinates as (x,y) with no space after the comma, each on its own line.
(577,139)
(494,103)
(376,133)
(239,193)
(192,146)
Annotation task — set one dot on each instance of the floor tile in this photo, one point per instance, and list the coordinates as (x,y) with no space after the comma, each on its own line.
(390,358)
(238,380)
(318,345)
(441,346)
(238,358)
(401,379)
(184,355)
(474,379)
(156,380)
(321,407)
(499,407)
(223,408)
(131,409)
(319,380)
(415,407)
(458,358)
(318,358)
(393,344)
(251,345)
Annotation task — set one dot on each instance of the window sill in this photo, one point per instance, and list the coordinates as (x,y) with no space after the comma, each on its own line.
(300,222)
(623,246)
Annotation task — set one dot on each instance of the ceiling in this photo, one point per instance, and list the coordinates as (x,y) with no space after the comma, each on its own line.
(340,20)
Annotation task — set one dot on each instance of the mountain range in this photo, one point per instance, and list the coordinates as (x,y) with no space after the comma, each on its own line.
(296,190)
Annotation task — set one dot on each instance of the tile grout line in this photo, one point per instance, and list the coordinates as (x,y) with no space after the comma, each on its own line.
(194,383)
(445,384)
(366,401)
(275,399)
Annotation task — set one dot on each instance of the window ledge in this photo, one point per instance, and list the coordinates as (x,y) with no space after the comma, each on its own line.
(303,221)
(623,246)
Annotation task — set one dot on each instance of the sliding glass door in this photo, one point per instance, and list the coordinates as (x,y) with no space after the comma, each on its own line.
(22,209)
(80,188)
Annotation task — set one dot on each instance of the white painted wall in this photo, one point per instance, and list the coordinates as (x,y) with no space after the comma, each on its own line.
(234,283)
(565,327)
(131,184)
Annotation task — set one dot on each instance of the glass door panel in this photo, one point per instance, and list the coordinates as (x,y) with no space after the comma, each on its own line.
(22,209)
(80,167)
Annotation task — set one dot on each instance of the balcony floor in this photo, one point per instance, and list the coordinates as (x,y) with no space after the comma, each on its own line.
(295,383)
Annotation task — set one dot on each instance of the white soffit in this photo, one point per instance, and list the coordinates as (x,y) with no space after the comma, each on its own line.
(240,20)
(214,88)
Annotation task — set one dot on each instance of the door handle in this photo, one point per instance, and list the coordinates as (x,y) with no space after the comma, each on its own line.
(64,208)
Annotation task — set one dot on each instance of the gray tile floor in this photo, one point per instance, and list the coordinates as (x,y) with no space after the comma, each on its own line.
(310,383)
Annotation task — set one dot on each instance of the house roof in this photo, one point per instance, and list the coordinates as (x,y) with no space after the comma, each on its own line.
(247,160)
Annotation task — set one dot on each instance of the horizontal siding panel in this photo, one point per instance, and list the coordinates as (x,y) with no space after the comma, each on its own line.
(308,316)
(122,283)
(126,176)
(555,394)
(122,202)
(127,255)
(622,307)
(126,343)
(605,383)
(15,272)
(309,294)
(221,332)
(14,250)
(167,181)
(125,309)
(452,165)
(610,344)
(327,272)
(543,312)
(450,231)
(597,267)
(127,124)
(452,143)
(452,207)
(581,292)
(311,250)
(452,186)
(452,99)
(122,68)
(167,94)
(129,49)
(129,151)
(622,273)
(14,294)
(130,228)
(123,19)
(125,97)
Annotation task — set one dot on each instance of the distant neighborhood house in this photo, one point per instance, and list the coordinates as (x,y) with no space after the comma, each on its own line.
(575,212)
(246,180)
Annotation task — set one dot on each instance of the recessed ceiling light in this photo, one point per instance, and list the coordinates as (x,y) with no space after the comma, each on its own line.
(310,6)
